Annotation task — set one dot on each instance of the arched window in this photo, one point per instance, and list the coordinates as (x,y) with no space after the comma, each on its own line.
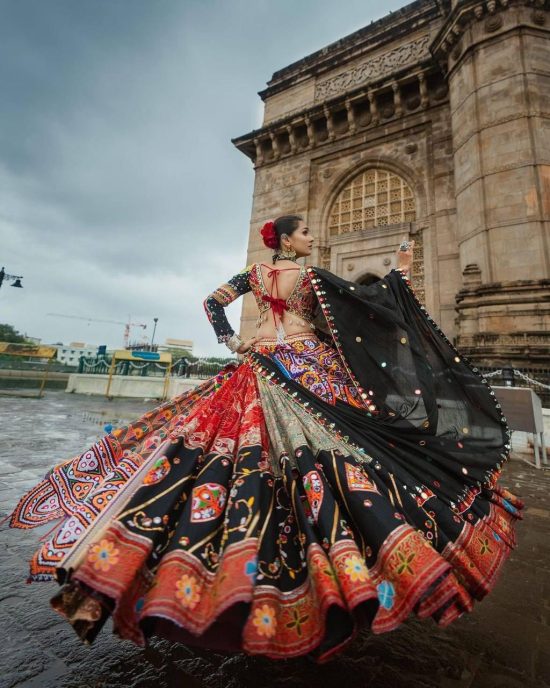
(375,198)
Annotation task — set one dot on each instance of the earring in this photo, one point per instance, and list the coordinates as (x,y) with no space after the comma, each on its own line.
(288,253)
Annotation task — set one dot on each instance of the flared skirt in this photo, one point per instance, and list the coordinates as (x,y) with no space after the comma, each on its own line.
(241,516)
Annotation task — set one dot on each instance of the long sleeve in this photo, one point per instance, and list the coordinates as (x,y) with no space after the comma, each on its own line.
(215,303)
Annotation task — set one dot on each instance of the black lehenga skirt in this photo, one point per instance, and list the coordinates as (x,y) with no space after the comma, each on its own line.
(284,504)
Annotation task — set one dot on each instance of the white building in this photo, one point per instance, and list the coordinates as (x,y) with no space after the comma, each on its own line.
(184,344)
(70,354)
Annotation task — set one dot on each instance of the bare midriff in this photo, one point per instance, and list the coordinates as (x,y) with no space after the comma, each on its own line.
(286,282)
(291,323)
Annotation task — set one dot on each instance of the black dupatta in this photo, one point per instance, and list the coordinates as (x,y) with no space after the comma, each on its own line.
(425,404)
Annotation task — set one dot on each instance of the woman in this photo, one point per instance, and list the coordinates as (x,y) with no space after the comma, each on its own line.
(342,474)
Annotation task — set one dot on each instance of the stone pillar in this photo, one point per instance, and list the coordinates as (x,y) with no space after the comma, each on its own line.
(275,146)
(397,99)
(424,99)
(375,118)
(330,126)
(291,138)
(259,154)
(310,133)
(351,117)
(498,60)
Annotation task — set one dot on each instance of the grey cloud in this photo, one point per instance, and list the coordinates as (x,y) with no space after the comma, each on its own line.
(120,190)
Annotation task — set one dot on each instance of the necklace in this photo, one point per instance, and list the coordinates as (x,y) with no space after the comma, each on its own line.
(281,256)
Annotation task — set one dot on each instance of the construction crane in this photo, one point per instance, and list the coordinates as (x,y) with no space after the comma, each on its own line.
(127,325)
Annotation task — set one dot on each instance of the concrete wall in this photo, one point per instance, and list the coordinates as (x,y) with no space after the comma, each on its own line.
(127,386)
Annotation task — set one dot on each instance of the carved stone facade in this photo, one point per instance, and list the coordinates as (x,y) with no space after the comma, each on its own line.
(432,123)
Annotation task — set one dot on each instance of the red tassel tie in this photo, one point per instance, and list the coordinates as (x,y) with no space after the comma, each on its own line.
(277,305)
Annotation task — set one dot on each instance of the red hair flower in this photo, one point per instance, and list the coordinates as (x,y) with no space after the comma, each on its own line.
(269,235)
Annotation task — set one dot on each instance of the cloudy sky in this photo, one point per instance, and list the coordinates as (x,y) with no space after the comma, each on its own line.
(120,190)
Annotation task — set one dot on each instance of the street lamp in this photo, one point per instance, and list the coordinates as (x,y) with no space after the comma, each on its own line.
(4,275)
(155,320)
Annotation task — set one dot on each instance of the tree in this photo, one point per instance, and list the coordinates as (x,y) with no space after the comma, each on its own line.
(10,334)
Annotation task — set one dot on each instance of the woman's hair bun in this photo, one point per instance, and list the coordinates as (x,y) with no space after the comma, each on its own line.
(269,235)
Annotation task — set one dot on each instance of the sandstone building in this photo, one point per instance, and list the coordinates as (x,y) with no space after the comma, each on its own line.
(434,123)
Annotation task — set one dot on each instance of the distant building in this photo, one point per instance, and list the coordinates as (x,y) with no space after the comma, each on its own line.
(186,344)
(70,354)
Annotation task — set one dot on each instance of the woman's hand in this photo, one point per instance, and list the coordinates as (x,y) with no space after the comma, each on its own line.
(245,346)
(405,258)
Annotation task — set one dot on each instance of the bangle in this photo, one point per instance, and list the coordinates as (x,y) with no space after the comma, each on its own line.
(234,342)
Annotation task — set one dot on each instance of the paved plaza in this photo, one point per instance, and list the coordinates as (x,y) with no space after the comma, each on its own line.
(504,643)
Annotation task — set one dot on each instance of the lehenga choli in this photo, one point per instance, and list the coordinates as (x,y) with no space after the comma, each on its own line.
(340,478)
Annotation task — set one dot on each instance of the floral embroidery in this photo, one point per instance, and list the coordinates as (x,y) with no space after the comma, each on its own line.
(188,591)
(355,568)
(264,620)
(160,470)
(208,502)
(357,480)
(314,490)
(485,546)
(103,555)
(297,621)
(405,562)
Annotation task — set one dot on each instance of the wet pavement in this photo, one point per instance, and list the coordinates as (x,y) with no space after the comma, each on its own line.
(504,643)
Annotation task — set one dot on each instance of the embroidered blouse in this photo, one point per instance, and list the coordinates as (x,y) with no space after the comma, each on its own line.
(301,302)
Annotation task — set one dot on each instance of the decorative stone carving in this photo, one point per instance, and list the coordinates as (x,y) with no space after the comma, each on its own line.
(417,268)
(324,257)
(411,148)
(471,275)
(377,67)
(538,18)
(493,23)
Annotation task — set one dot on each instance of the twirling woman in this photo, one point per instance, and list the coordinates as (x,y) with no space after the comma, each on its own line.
(343,474)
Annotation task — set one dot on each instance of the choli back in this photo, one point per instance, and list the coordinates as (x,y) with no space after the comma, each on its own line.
(300,302)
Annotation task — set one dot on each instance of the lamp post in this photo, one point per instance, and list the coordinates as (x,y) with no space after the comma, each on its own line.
(4,275)
(155,320)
